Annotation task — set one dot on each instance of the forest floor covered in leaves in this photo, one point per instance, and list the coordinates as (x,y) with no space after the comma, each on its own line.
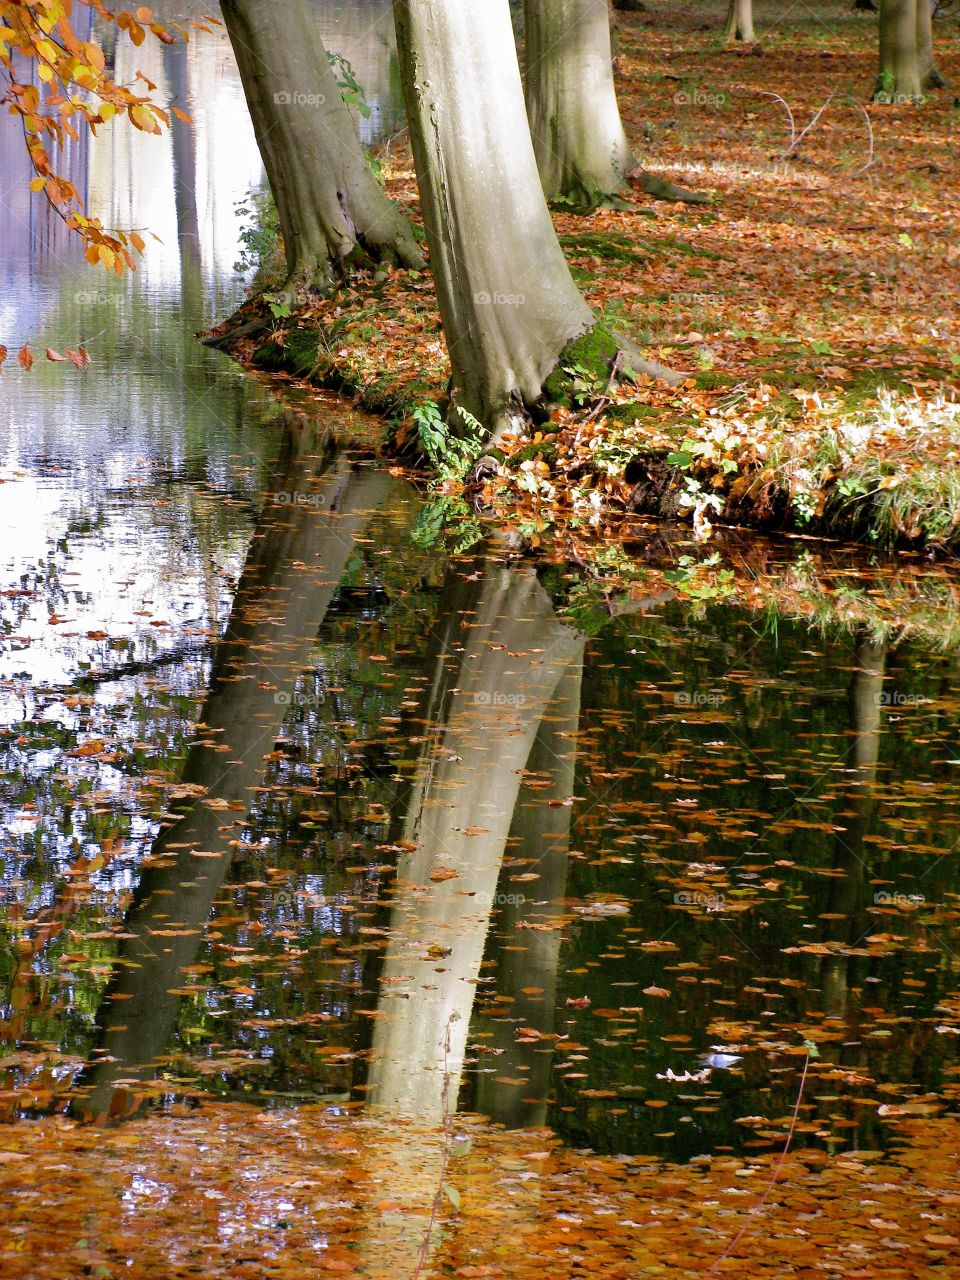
(811,303)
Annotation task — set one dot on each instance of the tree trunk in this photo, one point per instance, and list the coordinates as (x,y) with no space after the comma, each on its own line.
(930,77)
(332,209)
(740,21)
(901,78)
(578,137)
(184,139)
(507,300)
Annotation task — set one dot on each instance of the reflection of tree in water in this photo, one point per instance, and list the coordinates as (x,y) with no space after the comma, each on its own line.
(502,676)
(847,920)
(295,562)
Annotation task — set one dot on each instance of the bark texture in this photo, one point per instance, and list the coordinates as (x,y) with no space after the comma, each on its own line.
(331,207)
(578,137)
(930,77)
(740,21)
(901,76)
(507,300)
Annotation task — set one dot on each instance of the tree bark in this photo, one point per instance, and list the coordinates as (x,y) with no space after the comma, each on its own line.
(578,137)
(930,77)
(740,21)
(332,209)
(901,77)
(507,300)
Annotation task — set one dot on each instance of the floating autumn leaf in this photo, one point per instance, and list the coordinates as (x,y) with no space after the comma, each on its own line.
(94,747)
(439,874)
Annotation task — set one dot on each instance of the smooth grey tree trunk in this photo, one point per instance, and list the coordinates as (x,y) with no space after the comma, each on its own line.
(740,21)
(507,300)
(332,209)
(901,75)
(296,559)
(578,137)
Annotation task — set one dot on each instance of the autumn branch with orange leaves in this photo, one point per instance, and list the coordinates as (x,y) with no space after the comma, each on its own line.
(75,91)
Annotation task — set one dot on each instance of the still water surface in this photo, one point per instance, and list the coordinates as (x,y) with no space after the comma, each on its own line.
(298,805)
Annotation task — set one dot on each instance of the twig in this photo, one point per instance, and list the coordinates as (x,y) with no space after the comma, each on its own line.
(869,164)
(796,142)
(767,93)
(770,1185)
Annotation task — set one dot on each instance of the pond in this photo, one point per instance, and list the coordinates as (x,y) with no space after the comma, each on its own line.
(302,802)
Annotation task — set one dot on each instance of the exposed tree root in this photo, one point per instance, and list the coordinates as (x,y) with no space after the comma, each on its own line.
(662,189)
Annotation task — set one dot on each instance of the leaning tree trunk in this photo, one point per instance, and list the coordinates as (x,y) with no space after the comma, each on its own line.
(740,21)
(930,77)
(578,137)
(507,300)
(332,209)
(508,303)
(901,75)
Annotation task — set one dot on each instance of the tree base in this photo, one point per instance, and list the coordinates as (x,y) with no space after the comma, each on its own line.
(592,358)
